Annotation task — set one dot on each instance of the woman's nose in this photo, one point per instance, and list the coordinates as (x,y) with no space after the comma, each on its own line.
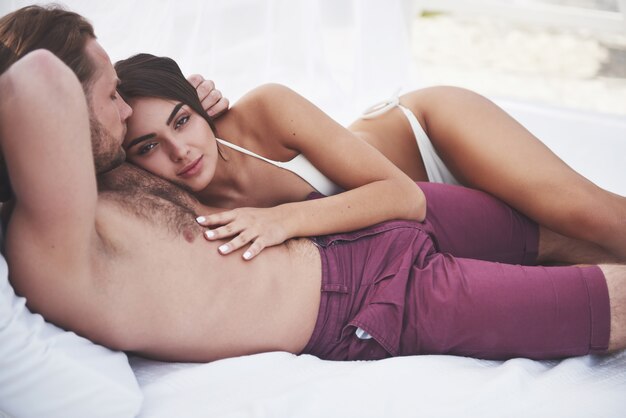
(178,150)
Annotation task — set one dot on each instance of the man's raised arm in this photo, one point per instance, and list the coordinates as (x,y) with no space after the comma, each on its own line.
(45,141)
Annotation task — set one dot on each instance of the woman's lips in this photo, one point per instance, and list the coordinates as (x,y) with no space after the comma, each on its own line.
(191,169)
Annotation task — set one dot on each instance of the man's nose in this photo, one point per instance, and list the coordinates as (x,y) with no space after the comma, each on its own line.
(125,110)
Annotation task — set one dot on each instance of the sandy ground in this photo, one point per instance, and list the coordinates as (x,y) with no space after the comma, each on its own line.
(563,67)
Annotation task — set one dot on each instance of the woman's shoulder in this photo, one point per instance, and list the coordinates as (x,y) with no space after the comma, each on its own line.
(266,105)
(259,113)
(268,96)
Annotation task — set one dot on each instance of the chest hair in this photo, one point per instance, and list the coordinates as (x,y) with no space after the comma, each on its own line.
(151,198)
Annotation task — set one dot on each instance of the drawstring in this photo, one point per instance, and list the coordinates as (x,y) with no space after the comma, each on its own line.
(382,107)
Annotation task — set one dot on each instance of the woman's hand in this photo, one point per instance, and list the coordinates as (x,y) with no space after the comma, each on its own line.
(211,98)
(263,227)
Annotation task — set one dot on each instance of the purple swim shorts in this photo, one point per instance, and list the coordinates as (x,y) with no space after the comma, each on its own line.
(442,287)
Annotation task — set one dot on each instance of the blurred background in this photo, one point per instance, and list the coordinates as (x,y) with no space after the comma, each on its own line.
(346,55)
(557,66)
(568,53)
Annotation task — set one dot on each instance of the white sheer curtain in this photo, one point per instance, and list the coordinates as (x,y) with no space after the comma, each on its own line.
(343,55)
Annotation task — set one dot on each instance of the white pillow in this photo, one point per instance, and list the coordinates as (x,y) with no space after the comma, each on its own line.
(48,372)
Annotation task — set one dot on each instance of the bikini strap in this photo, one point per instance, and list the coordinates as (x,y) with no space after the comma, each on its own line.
(248,152)
(382,107)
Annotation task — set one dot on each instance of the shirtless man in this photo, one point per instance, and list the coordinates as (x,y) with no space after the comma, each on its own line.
(128,268)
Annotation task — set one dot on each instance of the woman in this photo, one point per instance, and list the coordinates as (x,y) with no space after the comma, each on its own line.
(171,136)
(480,144)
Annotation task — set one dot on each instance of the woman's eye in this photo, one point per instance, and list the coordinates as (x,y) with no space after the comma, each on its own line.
(144,149)
(181,121)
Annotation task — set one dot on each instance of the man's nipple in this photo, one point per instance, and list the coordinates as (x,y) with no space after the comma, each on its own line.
(190,234)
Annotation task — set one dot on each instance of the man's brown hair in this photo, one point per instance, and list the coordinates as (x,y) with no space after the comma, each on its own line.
(50,27)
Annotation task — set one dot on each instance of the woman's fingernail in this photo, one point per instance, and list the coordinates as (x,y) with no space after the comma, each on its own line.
(209,234)
(200,219)
(247,255)
(223,248)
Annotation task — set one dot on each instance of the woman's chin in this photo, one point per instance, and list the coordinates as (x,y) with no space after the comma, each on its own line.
(191,187)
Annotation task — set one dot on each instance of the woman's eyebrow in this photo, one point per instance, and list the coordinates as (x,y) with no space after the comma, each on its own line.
(173,114)
(152,135)
(139,139)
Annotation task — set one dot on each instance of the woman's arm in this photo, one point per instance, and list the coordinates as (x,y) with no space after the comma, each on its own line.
(376,190)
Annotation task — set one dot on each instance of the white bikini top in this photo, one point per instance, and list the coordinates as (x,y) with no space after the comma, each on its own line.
(299,165)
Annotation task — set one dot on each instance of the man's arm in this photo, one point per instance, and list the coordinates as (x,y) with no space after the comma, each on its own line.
(45,141)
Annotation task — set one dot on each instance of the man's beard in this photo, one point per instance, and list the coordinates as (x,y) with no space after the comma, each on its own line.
(107,153)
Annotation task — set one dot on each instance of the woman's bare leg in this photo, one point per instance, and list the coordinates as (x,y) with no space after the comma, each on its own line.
(487,149)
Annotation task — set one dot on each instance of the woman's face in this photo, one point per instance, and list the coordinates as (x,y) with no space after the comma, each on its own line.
(170,140)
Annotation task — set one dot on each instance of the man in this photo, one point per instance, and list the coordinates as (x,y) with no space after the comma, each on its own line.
(128,268)
(65,33)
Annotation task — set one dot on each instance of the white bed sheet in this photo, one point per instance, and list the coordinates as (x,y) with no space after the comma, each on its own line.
(283,385)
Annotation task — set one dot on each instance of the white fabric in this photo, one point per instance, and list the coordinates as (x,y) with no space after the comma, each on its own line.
(340,54)
(436,170)
(283,385)
(299,165)
(48,372)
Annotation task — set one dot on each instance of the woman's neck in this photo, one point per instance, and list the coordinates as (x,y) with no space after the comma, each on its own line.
(230,181)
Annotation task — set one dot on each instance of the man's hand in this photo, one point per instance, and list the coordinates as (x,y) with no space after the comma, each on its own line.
(212,100)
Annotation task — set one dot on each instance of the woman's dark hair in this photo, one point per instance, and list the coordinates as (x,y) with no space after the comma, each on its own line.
(145,75)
